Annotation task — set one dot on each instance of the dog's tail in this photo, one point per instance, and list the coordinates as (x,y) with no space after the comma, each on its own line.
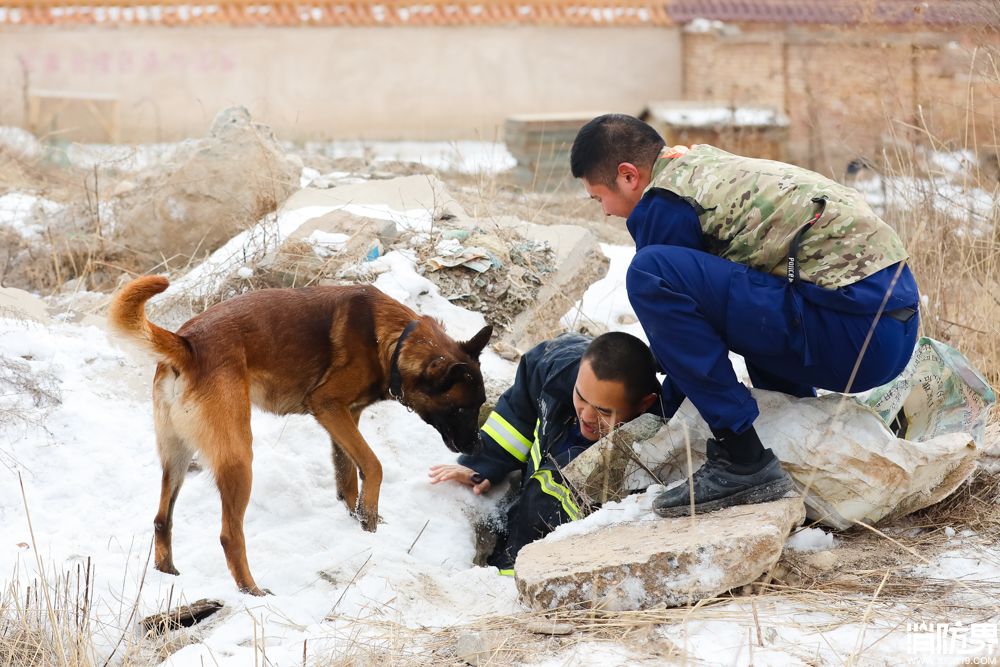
(127,316)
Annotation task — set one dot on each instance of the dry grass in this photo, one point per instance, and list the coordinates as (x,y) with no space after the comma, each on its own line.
(875,583)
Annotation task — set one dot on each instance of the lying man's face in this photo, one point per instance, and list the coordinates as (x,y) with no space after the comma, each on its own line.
(601,404)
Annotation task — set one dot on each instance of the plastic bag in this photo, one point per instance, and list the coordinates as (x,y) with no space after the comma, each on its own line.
(938,392)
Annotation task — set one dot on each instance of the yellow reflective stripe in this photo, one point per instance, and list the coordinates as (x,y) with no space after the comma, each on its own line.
(505,573)
(507,436)
(559,492)
(536,449)
(498,419)
(505,443)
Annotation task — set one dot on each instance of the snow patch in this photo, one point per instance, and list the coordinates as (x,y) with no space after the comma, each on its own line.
(810,539)
(637,507)
(24,214)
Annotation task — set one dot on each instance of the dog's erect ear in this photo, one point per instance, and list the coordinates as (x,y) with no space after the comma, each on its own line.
(474,346)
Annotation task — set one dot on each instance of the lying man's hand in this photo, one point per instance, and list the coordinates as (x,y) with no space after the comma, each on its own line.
(461,474)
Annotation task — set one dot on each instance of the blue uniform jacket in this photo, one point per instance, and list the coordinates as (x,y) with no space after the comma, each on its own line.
(661,218)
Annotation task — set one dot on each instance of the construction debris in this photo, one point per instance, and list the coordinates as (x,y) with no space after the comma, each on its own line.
(180,617)
(209,189)
(840,453)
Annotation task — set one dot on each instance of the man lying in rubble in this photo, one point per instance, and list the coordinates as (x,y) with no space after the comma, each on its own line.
(568,393)
(779,264)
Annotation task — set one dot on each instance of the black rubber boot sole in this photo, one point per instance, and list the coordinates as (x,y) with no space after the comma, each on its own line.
(762,493)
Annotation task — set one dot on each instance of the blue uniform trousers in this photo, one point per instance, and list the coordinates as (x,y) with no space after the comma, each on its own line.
(532,516)
(696,307)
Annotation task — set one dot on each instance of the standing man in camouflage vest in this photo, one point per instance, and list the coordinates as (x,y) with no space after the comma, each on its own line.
(779,264)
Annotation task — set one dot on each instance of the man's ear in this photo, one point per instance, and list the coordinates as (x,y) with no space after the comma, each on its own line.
(628,175)
(646,402)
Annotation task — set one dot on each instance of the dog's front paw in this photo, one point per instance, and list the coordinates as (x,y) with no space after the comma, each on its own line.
(167,568)
(368,521)
(254,590)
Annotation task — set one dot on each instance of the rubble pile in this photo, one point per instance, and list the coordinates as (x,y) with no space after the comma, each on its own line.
(210,189)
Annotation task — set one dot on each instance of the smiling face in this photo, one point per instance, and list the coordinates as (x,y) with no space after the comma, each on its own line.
(600,404)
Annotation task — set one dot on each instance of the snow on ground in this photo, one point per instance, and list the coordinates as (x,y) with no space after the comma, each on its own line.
(961,564)
(946,190)
(23,214)
(605,302)
(124,157)
(467,157)
(91,481)
(972,208)
(637,507)
(810,539)
(20,143)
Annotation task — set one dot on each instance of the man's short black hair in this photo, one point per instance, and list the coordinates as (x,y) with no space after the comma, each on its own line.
(607,141)
(621,357)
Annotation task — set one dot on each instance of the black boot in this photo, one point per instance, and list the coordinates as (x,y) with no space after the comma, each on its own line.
(721,483)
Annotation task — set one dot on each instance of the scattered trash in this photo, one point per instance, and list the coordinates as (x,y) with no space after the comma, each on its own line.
(451,253)
(325,244)
(375,252)
(938,392)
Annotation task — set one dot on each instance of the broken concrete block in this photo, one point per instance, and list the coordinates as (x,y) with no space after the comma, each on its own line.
(670,562)
(18,304)
(414,202)
(579,262)
(599,473)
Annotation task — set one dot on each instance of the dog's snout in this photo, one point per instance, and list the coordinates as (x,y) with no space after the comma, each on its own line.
(470,446)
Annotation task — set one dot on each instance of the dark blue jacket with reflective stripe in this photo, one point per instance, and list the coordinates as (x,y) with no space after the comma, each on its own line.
(541,397)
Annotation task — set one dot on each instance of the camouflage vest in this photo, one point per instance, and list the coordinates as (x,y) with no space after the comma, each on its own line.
(752,210)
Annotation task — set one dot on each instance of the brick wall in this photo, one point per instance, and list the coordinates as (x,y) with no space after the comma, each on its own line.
(848,92)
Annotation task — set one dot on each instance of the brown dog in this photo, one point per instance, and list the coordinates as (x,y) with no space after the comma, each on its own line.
(327,351)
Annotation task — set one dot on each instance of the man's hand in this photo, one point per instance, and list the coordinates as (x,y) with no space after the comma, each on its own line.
(460,474)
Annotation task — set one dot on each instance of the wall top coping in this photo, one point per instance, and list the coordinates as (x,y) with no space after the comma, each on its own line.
(304,13)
